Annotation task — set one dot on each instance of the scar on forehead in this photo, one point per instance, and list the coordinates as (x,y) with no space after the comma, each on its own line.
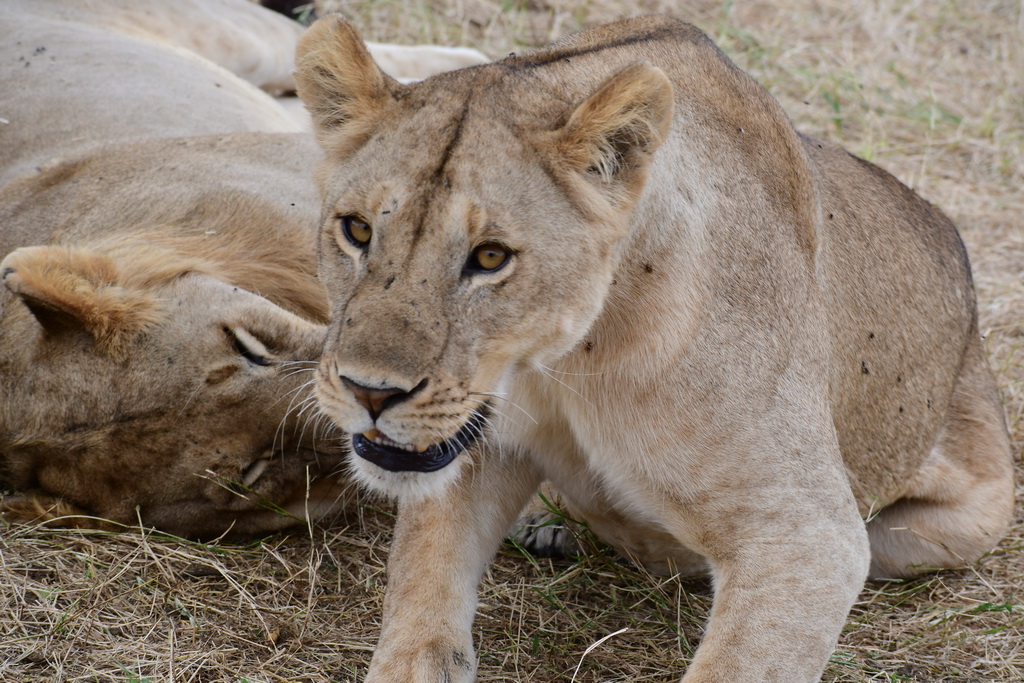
(456,127)
(473,219)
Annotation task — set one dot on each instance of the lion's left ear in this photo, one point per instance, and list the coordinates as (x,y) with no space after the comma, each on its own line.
(340,84)
(611,136)
(78,289)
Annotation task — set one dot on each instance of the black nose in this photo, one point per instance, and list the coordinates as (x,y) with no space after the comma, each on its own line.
(377,400)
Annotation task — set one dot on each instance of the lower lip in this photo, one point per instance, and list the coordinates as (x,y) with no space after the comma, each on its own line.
(434,458)
(397,460)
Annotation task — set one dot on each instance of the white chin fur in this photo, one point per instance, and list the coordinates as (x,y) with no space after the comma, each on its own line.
(405,486)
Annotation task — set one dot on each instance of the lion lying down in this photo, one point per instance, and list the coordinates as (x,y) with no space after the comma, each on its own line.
(161,312)
(614,264)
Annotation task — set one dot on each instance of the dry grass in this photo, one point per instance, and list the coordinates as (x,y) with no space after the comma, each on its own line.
(933,90)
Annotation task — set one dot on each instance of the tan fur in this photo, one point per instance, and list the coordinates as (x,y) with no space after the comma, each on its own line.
(161,311)
(725,343)
(80,287)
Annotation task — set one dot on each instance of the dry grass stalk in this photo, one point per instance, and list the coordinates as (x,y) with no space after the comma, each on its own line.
(933,91)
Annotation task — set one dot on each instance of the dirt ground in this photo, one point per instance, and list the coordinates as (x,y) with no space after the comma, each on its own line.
(932,90)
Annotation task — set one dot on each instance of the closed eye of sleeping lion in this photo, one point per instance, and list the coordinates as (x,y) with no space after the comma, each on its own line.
(614,264)
(161,314)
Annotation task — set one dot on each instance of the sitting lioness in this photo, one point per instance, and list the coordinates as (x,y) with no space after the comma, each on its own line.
(614,264)
(161,314)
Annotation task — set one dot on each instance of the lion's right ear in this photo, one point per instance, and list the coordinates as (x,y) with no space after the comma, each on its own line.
(611,136)
(340,84)
(78,289)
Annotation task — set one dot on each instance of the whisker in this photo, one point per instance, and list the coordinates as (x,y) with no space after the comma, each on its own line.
(295,393)
(296,390)
(505,416)
(544,371)
(323,422)
(507,400)
(291,372)
(475,426)
(190,399)
(500,413)
(573,374)
(307,404)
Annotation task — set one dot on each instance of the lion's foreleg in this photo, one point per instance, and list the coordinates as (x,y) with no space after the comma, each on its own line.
(775,620)
(441,548)
(788,551)
(783,586)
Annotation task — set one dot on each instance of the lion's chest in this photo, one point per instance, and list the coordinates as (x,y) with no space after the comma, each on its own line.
(581,435)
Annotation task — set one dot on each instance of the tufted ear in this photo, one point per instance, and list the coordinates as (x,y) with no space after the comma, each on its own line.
(611,136)
(340,84)
(78,289)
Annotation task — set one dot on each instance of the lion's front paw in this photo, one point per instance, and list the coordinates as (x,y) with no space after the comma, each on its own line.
(431,662)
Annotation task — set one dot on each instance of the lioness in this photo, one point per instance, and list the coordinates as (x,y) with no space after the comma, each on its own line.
(614,264)
(161,313)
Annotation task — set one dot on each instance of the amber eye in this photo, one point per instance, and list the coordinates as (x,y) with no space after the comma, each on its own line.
(488,258)
(356,231)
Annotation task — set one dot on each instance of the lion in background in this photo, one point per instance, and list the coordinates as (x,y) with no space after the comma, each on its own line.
(615,265)
(161,308)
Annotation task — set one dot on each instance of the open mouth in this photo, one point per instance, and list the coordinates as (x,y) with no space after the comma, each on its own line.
(395,457)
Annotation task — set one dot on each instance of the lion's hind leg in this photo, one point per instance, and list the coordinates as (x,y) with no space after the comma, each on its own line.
(554,526)
(960,502)
(545,528)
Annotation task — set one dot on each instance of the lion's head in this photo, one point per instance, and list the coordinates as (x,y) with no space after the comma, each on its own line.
(448,266)
(141,388)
